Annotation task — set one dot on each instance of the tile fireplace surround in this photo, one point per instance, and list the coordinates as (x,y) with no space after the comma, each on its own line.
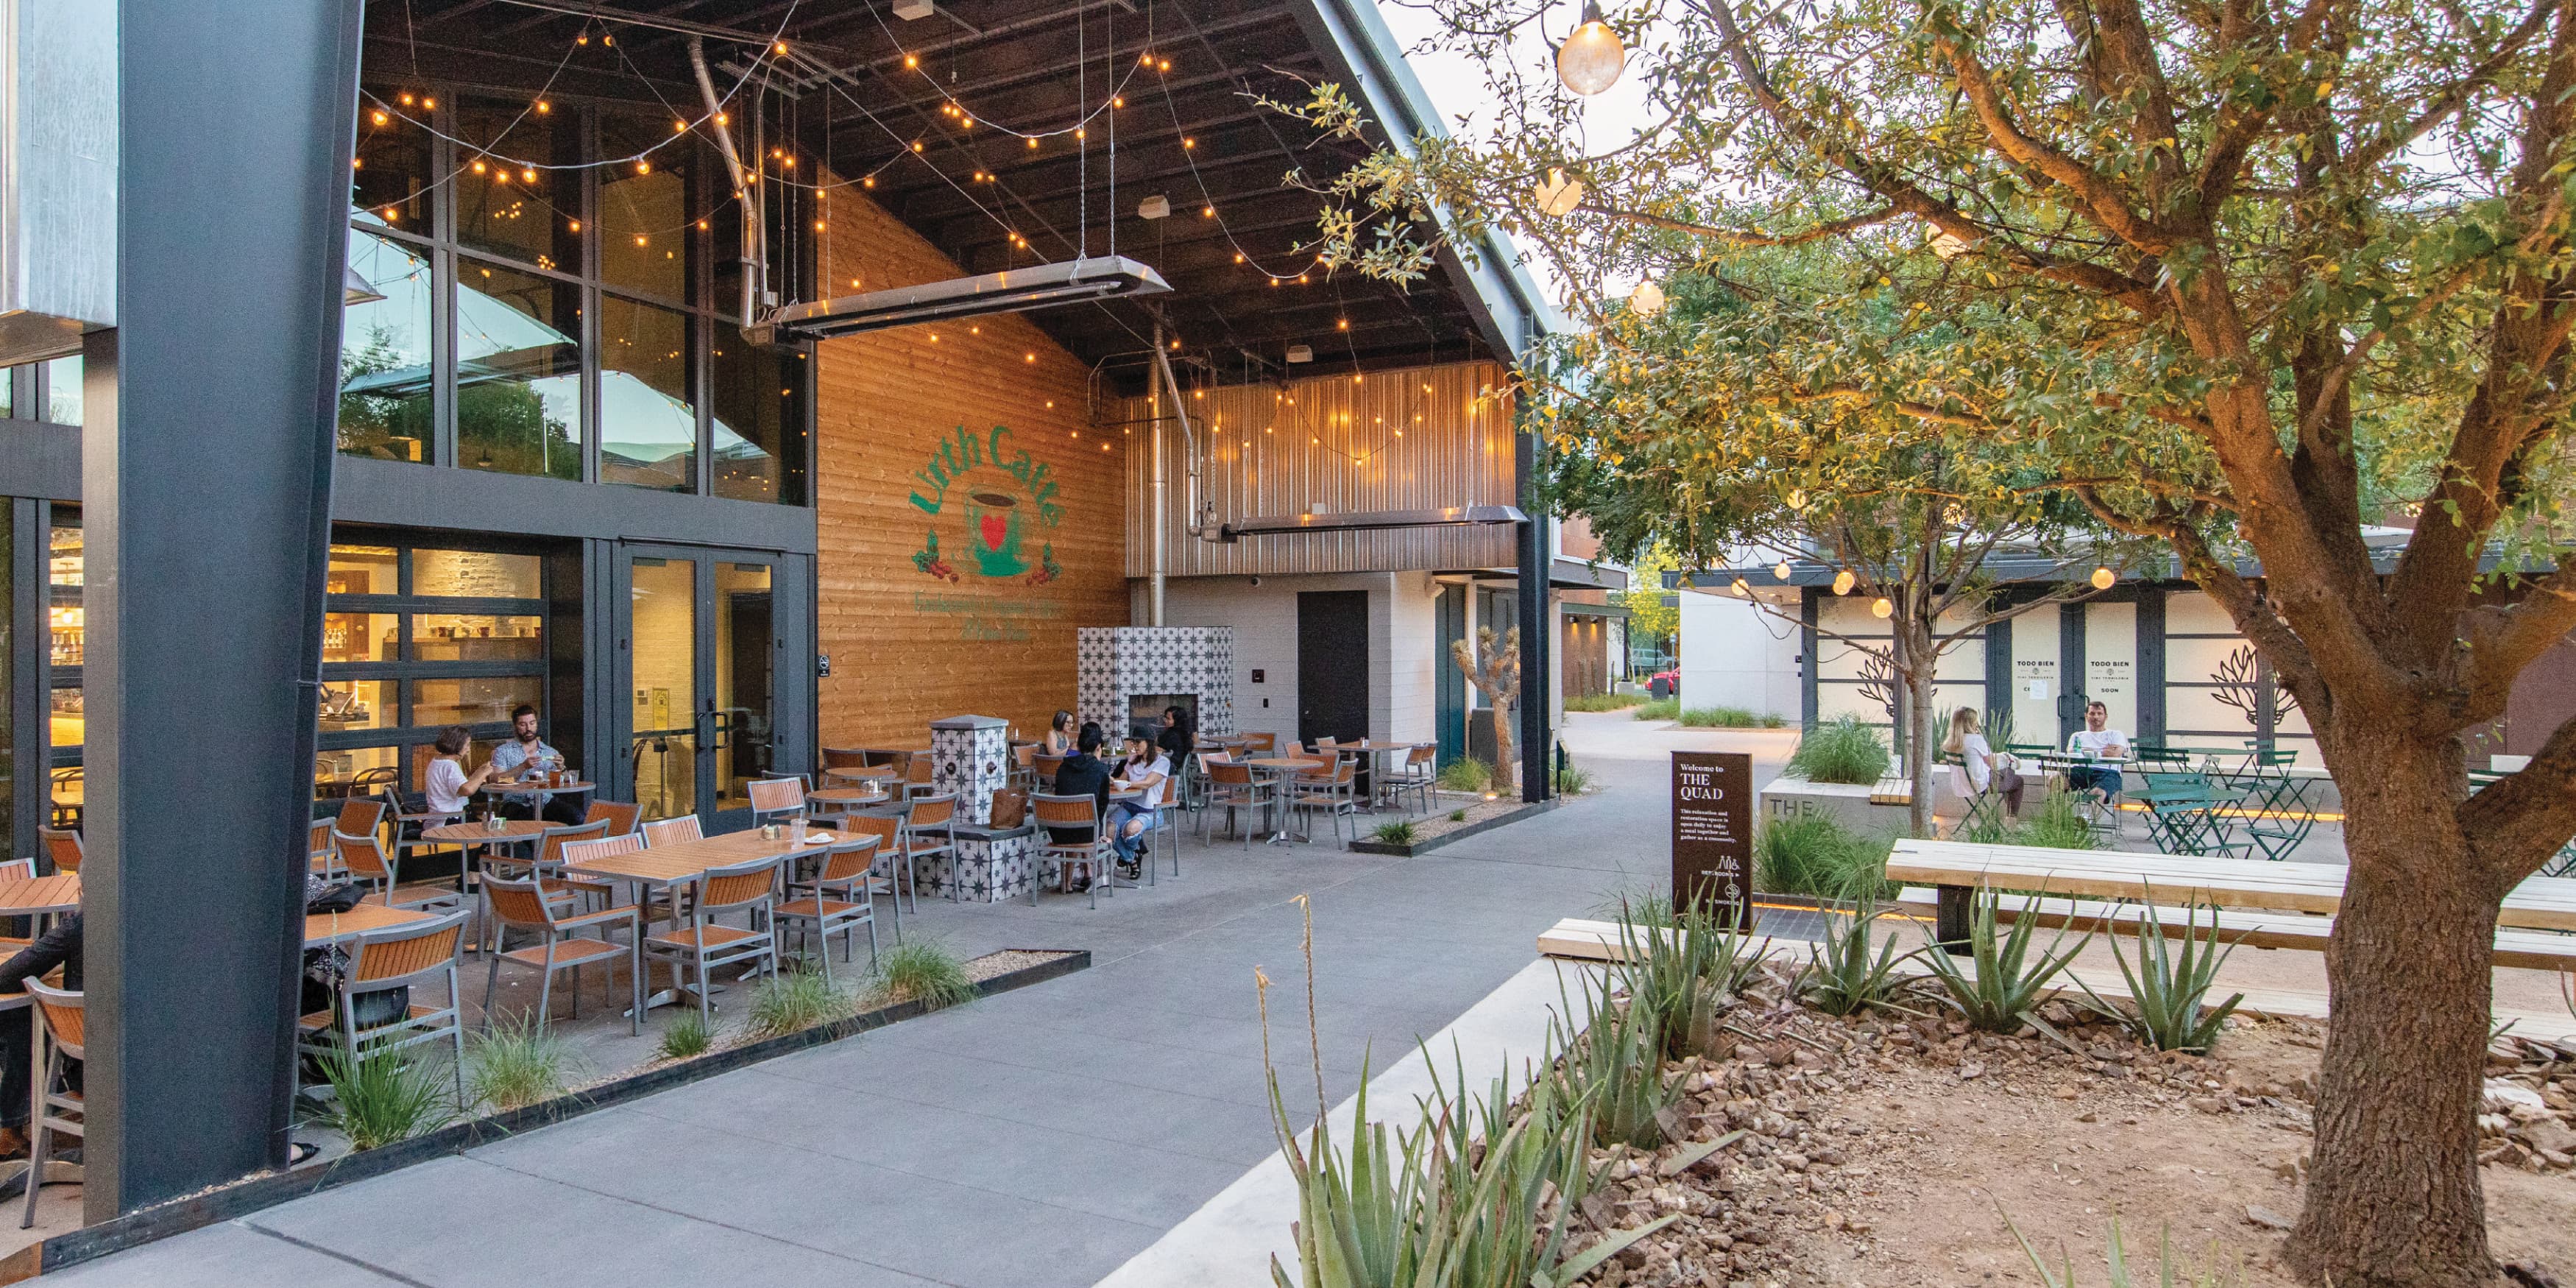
(1116,663)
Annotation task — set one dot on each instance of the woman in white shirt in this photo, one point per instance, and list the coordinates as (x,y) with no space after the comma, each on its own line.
(449,788)
(1978,769)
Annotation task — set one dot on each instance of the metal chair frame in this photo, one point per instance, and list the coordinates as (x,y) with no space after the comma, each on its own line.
(759,945)
(417,1024)
(560,934)
(1094,856)
(61,1020)
(1248,792)
(849,869)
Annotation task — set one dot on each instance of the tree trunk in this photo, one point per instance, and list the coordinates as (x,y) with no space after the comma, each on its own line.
(1922,750)
(2393,1193)
(1507,763)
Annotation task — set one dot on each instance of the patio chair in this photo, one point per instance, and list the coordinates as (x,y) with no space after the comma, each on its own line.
(775,800)
(321,857)
(413,823)
(672,831)
(750,888)
(1044,767)
(620,816)
(1232,787)
(62,846)
(1333,790)
(1261,743)
(1420,771)
(1071,813)
(381,961)
(888,861)
(523,905)
(361,816)
(916,776)
(838,900)
(364,859)
(931,817)
(1024,766)
(652,905)
(61,1036)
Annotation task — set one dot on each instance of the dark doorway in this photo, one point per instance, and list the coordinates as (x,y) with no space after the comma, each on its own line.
(1332,665)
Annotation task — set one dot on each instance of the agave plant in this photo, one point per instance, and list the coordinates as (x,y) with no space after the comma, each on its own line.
(2004,990)
(2170,985)
(1616,1070)
(1855,970)
(1681,975)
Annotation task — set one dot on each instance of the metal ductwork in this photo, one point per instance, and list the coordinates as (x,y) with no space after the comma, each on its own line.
(1013,291)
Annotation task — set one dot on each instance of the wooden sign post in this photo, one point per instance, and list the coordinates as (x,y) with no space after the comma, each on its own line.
(1713,834)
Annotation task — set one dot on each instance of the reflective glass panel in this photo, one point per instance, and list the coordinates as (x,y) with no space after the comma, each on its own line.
(438,703)
(355,769)
(518,377)
(63,391)
(385,371)
(360,637)
(648,420)
(759,433)
(455,637)
(474,574)
(66,617)
(358,704)
(664,604)
(365,570)
(392,182)
(508,199)
(67,717)
(649,238)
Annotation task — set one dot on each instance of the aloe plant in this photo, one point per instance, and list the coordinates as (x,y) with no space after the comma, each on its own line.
(1855,970)
(1616,1069)
(2004,989)
(2169,987)
(1681,973)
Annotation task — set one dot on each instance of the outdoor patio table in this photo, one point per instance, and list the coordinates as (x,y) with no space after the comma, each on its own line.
(681,863)
(40,896)
(520,789)
(1280,769)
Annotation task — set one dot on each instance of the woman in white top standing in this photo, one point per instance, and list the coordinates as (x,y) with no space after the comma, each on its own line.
(449,788)
(1979,770)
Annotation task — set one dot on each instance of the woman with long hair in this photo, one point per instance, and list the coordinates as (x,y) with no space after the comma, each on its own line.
(1059,734)
(1976,769)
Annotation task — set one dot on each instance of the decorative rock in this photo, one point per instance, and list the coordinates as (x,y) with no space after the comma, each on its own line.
(2267,1218)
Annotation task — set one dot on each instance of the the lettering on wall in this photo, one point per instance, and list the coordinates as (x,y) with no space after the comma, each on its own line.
(988,502)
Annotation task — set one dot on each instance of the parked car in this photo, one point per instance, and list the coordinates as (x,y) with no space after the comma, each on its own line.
(1664,684)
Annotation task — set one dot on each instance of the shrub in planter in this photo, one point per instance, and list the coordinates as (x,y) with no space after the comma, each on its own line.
(1842,750)
(1816,855)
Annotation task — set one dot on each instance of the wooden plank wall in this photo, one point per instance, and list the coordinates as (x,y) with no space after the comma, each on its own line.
(1412,438)
(908,647)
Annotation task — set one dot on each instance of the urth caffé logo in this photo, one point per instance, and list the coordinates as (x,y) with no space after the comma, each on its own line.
(988,504)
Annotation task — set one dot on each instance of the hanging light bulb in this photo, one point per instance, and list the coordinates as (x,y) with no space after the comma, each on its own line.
(1844,581)
(1647,299)
(1882,607)
(1781,570)
(1797,498)
(1948,245)
(1741,590)
(1558,197)
(1591,58)
(2103,577)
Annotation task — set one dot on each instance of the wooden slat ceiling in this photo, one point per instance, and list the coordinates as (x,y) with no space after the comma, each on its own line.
(1013,63)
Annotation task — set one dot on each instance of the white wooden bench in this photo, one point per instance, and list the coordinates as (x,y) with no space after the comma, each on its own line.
(2531,949)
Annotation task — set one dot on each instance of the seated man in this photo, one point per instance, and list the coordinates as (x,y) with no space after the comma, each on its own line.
(1147,770)
(60,946)
(1082,774)
(523,756)
(2100,742)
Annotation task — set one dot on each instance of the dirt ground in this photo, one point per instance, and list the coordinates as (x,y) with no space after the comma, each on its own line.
(1888,1154)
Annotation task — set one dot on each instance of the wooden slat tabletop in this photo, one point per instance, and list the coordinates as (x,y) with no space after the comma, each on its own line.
(58,893)
(685,860)
(331,927)
(476,834)
(2539,903)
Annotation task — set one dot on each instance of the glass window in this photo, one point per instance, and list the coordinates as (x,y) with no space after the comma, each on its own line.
(509,199)
(474,574)
(358,704)
(518,378)
(365,570)
(359,770)
(648,241)
(8,390)
(63,391)
(391,186)
(456,637)
(360,637)
(436,704)
(67,717)
(385,369)
(65,616)
(759,395)
(648,420)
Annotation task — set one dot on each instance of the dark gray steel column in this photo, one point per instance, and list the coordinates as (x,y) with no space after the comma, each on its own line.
(206,472)
(1534,558)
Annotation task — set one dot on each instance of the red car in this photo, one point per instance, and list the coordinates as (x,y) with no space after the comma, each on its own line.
(1664,684)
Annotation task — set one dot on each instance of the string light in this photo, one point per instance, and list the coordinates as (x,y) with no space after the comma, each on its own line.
(1882,608)
(2103,577)
(1844,581)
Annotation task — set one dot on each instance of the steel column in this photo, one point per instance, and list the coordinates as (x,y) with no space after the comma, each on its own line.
(1535,558)
(206,470)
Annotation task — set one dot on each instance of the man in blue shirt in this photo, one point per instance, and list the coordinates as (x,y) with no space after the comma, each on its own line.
(525,756)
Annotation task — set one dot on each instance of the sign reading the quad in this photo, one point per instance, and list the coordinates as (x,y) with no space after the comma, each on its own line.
(1713,834)
(992,501)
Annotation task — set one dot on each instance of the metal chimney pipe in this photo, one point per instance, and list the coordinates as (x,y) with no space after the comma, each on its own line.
(1154,587)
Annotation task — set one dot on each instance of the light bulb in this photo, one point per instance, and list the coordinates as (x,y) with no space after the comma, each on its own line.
(1948,246)
(1741,590)
(1781,570)
(1647,299)
(1797,499)
(1882,607)
(1559,196)
(2103,577)
(1591,58)
(1843,581)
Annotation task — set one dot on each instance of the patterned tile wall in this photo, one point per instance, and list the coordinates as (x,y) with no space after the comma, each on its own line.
(1115,663)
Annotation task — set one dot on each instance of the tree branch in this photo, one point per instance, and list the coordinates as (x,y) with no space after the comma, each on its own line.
(1744,237)
(2101,197)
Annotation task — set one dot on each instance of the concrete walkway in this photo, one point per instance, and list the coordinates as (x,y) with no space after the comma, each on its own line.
(1039,1138)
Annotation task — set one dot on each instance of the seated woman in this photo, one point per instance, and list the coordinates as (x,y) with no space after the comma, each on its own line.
(1979,769)
(1147,770)
(1060,739)
(450,789)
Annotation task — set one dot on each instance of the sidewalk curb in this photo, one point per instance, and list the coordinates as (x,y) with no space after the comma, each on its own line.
(1531,810)
(266,1190)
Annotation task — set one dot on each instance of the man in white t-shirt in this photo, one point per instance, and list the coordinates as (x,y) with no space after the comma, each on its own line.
(1149,771)
(2103,743)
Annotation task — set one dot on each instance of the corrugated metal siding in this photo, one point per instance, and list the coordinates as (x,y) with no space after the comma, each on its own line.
(1417,438)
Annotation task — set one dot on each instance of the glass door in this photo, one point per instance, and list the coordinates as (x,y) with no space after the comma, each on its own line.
(699,640)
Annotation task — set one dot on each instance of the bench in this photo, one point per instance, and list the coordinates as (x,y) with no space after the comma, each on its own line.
(2530,949)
